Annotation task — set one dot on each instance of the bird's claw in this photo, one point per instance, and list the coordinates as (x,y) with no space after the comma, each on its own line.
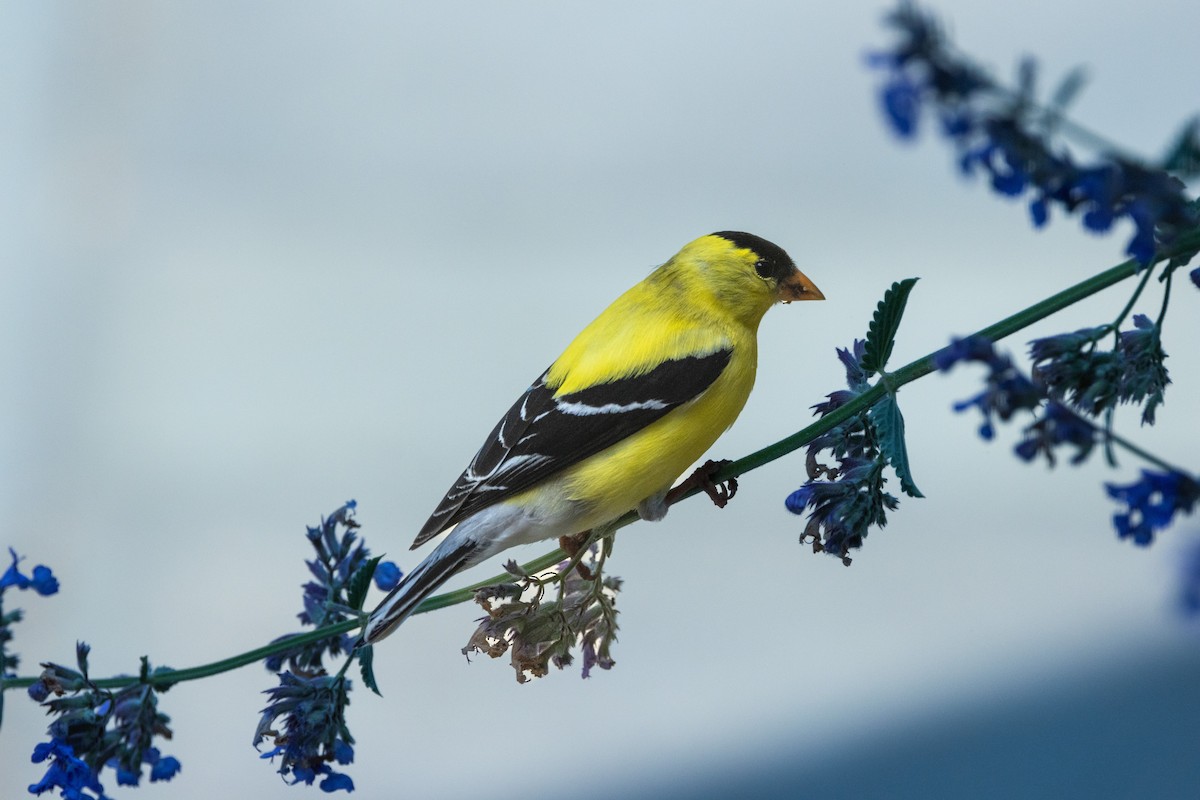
(720,493)
(571,545)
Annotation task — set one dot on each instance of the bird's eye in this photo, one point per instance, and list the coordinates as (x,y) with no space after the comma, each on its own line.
(762,268)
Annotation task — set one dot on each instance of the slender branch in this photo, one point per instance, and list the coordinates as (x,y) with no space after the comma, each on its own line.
(468,593)
(1133,298)
(906,374)
(1142,454)
(1166,299)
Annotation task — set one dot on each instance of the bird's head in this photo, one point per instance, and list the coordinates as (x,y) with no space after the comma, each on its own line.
(745,273)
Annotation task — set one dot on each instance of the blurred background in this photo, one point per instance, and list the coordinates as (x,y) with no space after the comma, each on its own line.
(258,259)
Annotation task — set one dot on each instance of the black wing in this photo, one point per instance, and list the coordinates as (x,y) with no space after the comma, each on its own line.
(543,434)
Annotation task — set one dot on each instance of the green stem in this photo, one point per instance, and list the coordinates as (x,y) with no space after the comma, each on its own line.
(906,374)
(1133,298)
(468,593)
(1166,299)
(1142,454)
(164,679)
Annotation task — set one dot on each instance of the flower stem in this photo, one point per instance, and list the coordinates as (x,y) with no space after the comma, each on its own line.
(1142,454)
(1133,298)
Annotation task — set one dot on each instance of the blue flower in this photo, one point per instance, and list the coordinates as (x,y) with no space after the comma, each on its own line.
(1006,389)
(901,100)
(1057,426)
(387,575)
(1195,276)
(114,729)
(311,713)
(1009,391)
(851,358)
(956,124)
(1005,134)
(66,772)
(1142,246)
(843,508)
(341,580)
(125,777)
(164,768)
(42,581)
(849,438)
(338,558)
(1093,380)
(1152,503)
(1143,374)
(1039,212)
(1097,190)
(968,348)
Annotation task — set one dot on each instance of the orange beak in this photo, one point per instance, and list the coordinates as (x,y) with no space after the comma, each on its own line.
(797,286)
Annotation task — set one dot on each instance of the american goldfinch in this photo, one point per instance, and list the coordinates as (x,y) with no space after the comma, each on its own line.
(639,395)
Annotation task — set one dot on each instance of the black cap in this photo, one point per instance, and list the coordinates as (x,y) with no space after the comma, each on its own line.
(773,262)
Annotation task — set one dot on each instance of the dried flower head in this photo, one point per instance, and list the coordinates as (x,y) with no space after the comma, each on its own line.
(539,631)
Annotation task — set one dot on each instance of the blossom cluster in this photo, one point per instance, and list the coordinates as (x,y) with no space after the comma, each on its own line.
(42,581)
(1076,382)
(1153,501)
(342,564)
(96,728)
(851,499)
(1078,377)
(306,717)
(1095,380)
(540,631)
(1007,391)
(1009,136)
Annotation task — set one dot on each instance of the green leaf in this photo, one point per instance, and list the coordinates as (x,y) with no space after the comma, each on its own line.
(889,428)
(1026,80)
(360,582)
(366,665)
(882,331)
(1183,157)
(1068,89)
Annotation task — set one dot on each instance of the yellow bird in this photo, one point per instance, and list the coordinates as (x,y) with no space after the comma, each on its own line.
(639,395)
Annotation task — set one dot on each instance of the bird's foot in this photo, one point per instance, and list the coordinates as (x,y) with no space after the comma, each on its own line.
(720,493)
(572,545)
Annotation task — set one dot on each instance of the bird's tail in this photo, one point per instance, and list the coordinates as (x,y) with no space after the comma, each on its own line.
(449,557)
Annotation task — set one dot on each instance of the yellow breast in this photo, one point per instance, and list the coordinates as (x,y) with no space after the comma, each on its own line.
(617,479)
